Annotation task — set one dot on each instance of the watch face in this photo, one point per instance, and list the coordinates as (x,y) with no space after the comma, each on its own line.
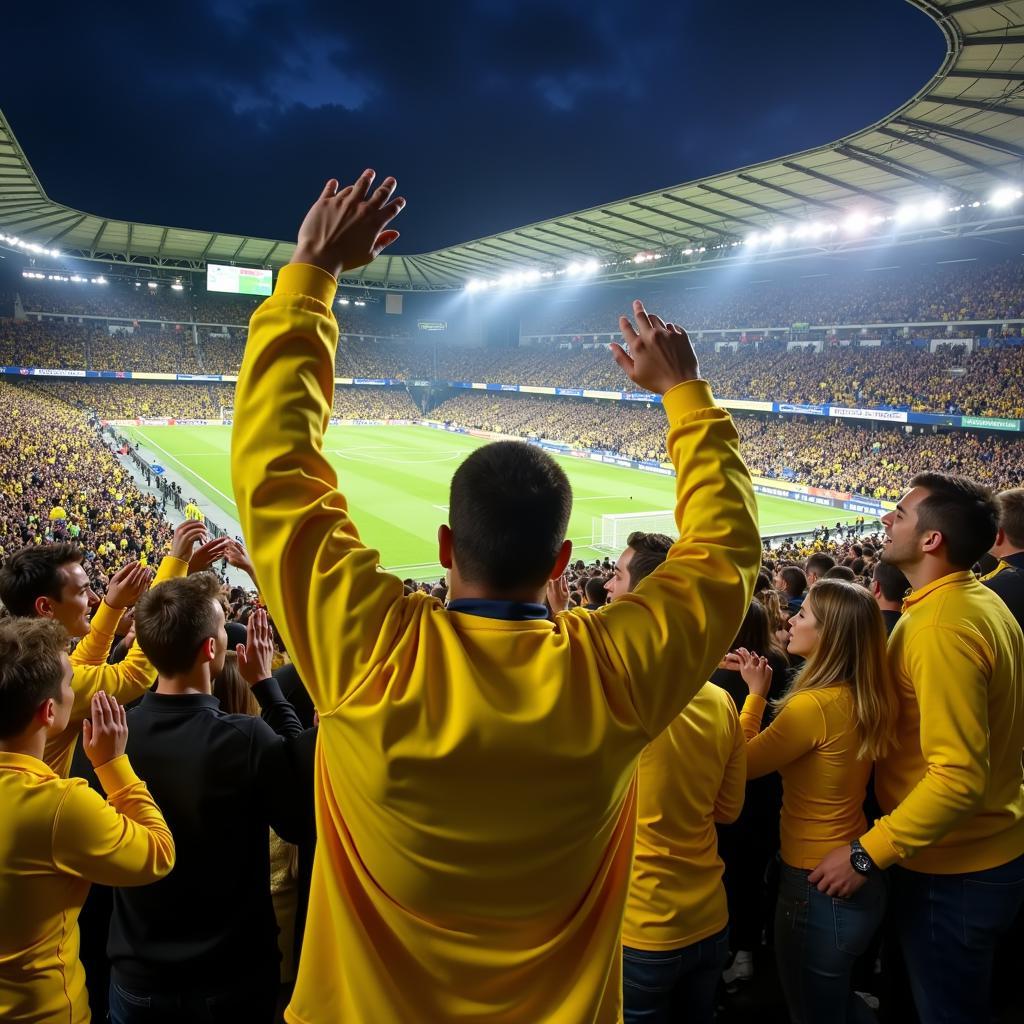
(861,862)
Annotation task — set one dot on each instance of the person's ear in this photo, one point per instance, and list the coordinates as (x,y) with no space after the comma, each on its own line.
(46,714)
(444,545)
(44,607)
(564,554)
(931,541)
(207,650)
(1000,538)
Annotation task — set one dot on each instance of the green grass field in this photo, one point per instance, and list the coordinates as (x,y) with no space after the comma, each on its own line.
(396,481)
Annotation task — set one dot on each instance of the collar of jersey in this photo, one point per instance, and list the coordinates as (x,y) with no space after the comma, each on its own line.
(511,611)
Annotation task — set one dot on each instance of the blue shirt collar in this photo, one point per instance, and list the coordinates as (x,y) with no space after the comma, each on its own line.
(514,610)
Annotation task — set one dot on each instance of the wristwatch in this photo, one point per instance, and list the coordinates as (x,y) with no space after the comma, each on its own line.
(860,859)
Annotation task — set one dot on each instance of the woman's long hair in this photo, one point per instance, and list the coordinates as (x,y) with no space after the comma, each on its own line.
(851,652)
(758,634)
(233,692)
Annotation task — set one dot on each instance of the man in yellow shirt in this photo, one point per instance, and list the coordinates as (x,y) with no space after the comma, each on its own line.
(953,789)
(676,930)
(475,764)
(58,835)
(49,581)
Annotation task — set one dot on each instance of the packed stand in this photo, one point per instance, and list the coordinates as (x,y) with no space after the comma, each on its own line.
(486,803)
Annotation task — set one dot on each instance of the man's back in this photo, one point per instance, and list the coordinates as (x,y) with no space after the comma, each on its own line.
(689,777)
(474,773)
(217,778)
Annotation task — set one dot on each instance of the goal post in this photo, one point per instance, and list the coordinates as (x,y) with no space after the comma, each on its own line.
(227,414)
(609,532)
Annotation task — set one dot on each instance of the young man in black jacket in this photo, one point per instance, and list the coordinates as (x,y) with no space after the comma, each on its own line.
(201,945)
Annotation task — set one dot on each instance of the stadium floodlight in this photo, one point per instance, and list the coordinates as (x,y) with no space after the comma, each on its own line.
(1004,197)
(152,284)
(177,286)
(360,302)
(856,223)
(343,302)
(591,267)
(932,209)
(907,213)
(753,239)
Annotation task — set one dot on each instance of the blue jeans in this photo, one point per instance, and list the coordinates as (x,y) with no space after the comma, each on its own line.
(253,1004)
(949,926)
(670,985)
(817,942)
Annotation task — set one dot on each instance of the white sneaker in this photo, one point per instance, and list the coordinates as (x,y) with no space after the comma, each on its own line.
(741,968)
(868,998)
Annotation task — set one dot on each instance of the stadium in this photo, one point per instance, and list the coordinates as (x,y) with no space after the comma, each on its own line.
(857,307)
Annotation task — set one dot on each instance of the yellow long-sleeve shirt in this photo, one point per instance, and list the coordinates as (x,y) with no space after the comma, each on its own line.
(689,777)
(954,788)
(125,681)
(812,743)
(474,777)
(58,835)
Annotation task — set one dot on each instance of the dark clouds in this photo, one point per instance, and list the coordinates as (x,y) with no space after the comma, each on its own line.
(229,115)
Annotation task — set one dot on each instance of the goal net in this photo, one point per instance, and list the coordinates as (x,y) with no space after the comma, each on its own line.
(610,531)
(227,414)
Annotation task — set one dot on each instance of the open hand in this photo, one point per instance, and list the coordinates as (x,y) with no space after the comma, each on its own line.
(346,229)
(754,670)
(186,536)
(127,585)
(256,654)
(558,594)
(206,554)
(237,556)
(660,355)
(105,732)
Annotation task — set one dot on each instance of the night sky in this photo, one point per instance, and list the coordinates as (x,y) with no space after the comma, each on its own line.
(229,115)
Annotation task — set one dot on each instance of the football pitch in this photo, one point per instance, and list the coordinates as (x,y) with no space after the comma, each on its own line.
(396,482)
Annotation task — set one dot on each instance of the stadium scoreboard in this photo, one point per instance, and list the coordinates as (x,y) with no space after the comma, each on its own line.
(238,280)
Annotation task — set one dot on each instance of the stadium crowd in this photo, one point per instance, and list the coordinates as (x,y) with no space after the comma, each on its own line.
(865,459)
(520,810)
(897,375)
(987,292)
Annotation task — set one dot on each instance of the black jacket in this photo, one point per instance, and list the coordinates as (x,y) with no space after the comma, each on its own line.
(221,781)
(1009,585)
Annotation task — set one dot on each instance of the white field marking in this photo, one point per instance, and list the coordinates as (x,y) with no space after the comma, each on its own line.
(152,444)
(442,508)
(380,459)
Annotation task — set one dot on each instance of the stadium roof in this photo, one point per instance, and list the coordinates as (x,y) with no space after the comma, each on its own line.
(961,136)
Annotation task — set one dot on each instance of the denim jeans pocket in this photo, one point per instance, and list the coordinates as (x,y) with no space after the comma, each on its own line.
(650,971)
(857,919)
(989,909)
(143,1002)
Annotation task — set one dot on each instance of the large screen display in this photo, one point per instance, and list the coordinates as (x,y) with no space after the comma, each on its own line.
(238,280)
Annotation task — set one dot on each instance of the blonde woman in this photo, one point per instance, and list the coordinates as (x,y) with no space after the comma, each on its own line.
(838,716)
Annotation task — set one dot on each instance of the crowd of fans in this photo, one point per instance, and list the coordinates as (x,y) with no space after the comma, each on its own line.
(866,459)
(707,302)
(60,482)
(895,375)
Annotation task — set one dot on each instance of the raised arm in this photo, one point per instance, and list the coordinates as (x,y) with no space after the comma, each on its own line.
(670,633)
(319,581)
(124,841)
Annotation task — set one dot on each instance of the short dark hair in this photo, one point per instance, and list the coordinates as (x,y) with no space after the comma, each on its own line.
(649,551)
(173,619)
(509,509)
(795,580)
(1011,515)
(596,594)
(841,572)
(963,511)
(891,581)
(31,669)
(35,572)
(819,563)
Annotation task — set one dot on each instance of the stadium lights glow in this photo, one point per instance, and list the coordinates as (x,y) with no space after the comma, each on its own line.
(177,286)
(35,275)
(343,302)
(152,284)
(646,257)
(31,247)
(1004,197)
(360,302)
